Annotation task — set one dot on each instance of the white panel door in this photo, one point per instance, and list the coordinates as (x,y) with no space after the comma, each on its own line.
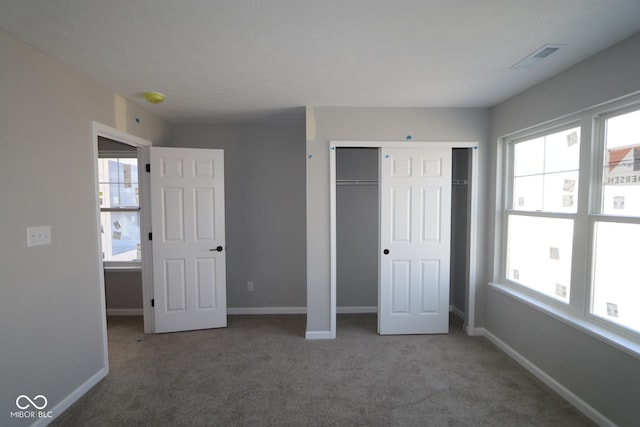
(187,222)
(415,234)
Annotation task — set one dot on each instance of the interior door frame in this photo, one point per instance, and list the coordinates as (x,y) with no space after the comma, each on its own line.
(472,225)
(98,129)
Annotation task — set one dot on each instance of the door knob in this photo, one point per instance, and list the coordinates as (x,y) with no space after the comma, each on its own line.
(219,249)
(386,252)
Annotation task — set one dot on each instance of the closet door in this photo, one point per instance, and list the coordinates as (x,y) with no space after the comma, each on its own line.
(415,240)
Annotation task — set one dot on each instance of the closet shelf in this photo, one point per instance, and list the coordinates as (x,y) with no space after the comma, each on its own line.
(356,182)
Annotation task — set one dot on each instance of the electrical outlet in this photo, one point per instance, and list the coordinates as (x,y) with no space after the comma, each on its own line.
(250,286)
(38,236)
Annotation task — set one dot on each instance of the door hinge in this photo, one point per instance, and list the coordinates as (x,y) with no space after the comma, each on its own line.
(150,236)
(148,167)
(153,302)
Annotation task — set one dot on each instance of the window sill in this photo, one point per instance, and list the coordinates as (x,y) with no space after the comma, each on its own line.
(607,336)
(122,268)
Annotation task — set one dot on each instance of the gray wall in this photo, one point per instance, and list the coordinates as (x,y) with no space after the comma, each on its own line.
(106,145)
(264,204)
(123,289)
(377,124)
(50,318)
(357,229)
(603,376)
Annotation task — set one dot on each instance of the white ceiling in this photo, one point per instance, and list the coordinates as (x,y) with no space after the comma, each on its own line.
(220,61)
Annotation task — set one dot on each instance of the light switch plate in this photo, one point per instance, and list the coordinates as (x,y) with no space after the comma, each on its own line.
(38,235)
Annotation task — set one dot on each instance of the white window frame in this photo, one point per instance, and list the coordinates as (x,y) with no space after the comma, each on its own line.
(122,265)
(577,312)
(596,215)
(507,210)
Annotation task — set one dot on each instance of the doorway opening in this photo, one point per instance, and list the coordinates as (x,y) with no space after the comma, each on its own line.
(119,200)
(118,206)
(355,225)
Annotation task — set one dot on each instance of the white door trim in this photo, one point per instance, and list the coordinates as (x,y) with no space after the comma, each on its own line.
(471,282)
(98,129)
(117,135)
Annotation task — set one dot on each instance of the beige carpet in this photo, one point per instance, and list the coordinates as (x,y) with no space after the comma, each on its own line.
(261,371)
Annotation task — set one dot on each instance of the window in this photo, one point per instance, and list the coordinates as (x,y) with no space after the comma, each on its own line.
(577,256)
(616,225)
(541,211)
(119,208)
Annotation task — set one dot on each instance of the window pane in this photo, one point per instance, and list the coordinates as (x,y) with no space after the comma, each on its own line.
(616,283)
(623,130)
(128,171)
(561,192)
(118,183)
(621,200)
(103,170)
(119,196)
(528,192)
(562,151)
(621,175)
(539,254)
(128,195)
(545,176)
(120,236)
(528,157)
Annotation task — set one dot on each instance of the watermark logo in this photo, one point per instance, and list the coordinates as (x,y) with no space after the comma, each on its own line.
(31,407)
(20,402)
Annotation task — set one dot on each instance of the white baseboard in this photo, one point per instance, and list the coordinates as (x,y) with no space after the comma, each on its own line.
(72,398)
(318,335)
(124,312)
(253,310)
(232,311)
(267,310)
(297,310)
(356,309)
(572,398)
(474,332)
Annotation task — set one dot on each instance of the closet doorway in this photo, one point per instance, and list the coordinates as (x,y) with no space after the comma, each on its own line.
(357,230)
(355,227)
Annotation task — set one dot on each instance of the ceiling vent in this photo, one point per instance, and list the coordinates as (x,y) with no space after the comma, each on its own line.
(537,56)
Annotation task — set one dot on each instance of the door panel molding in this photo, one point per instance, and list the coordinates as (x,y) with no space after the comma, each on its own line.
(427,208)
(186,264)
